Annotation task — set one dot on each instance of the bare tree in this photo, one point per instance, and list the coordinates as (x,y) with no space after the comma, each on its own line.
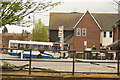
(118,3)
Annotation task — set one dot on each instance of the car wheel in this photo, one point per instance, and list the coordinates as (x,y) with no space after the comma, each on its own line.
(39,56)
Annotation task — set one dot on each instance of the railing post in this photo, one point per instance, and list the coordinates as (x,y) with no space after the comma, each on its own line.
(30,62)
(2,50)
(118,66)
(73,69)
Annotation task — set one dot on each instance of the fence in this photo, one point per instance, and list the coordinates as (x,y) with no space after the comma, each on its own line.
(87,63)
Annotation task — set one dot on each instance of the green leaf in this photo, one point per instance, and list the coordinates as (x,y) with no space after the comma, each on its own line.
(40,33)
(10,8)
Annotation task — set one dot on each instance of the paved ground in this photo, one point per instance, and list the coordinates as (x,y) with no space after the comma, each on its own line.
(66,64)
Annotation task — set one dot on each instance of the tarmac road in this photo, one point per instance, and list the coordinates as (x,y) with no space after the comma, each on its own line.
(65,64)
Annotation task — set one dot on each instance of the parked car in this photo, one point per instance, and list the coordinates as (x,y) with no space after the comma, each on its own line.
(101,56)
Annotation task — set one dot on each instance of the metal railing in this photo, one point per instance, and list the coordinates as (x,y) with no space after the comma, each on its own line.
(75,65)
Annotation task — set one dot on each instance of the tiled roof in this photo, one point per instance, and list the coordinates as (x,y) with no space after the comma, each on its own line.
(68,20)
(11,34)
(106,21)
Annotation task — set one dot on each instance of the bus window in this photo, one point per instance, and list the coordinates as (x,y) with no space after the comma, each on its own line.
(46,47)
(15,45)
(27,46)
(50,47)
(21,46)
(11,45)
(30,44)
(40,47)
(34,46)
(56,47)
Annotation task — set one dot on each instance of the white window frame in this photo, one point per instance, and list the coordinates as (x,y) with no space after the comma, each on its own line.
(78,30)
(104,34)
(110,35)
(84,31)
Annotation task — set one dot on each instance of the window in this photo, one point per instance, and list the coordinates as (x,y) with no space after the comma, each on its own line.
(78,32)
(84,32)
(110,34)
(104,34)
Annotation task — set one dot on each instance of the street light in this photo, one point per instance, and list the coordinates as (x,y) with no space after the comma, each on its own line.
(33,21)
(34,17)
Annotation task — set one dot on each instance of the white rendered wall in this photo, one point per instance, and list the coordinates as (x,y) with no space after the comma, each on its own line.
(106,40)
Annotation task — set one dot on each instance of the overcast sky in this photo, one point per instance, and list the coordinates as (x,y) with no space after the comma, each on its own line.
(94,6)
(83,5)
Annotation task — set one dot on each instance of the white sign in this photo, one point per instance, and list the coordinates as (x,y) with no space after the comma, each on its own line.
(60,27)
(60,35)
(85,43)
(60,32)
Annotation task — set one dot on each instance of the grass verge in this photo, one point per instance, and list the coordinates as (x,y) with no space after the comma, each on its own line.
(64,75)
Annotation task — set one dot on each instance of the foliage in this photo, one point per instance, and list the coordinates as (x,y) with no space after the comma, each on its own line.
(13,11)
(6,65)
(118,3)
(40,33)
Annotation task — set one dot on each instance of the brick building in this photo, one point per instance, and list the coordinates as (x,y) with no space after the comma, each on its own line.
(116,37)
(5,37)
(83,30)
(86,35)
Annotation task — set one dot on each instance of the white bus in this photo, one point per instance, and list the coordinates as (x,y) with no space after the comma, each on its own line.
(15,45)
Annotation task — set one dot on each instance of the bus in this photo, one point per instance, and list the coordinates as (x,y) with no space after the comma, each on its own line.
(21,48)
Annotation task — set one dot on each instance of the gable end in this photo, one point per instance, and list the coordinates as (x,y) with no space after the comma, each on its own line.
(92,18)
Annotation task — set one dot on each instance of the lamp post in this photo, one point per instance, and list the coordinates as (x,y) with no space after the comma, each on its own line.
(33,17)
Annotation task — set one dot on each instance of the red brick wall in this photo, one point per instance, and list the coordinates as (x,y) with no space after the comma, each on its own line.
(92,33)
(115,33)
(13,36)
